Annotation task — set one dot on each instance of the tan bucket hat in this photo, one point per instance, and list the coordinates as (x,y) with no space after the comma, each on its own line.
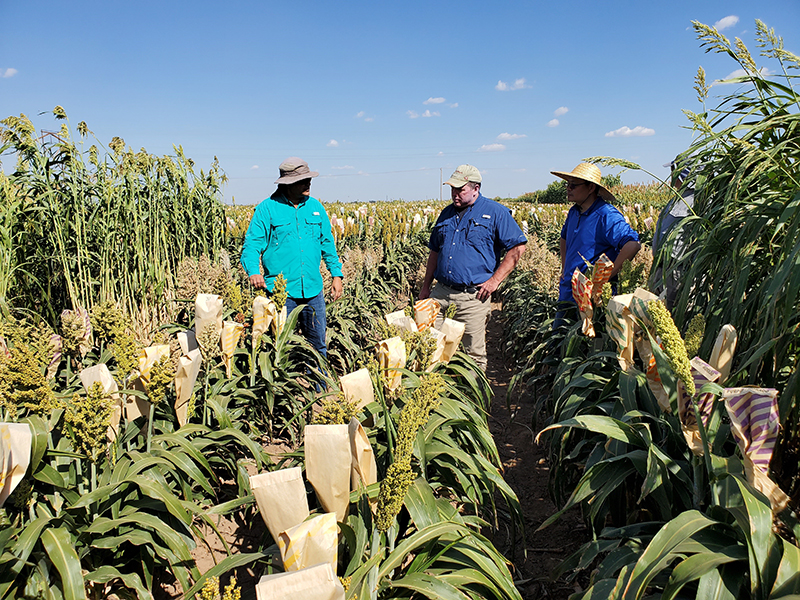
(462,175)
(587,172)
(295,169)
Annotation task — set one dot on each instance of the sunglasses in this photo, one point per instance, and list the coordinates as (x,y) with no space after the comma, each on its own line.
(572,185)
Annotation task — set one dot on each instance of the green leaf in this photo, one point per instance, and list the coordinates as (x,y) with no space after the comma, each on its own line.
(607,426)
(107,574)
(698,565)
(59,547)
(429,586)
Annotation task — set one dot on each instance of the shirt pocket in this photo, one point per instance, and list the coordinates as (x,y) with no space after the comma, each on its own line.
(480,234)
(312,226)
(438,235)
(281,234)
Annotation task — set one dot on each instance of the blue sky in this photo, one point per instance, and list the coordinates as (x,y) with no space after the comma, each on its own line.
(378,97)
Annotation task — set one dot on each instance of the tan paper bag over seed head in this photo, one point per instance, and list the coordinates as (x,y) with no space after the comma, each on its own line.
(438,352)
(328,466)
(314,583)
(15,455)
(453,332)
(425,313)
(401,320)
(262,317)
(136,407)
(582,294)
(357,388)
(187,340)
(310,543)
(208,313)
(392,356)
(620,327)
(281,499)
(188,368)
(101,374)
(702,373)
(724,349)
(364,469)
(231,333)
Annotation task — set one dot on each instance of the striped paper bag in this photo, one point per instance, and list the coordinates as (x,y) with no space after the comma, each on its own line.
(310,543)
(600,276)
(262,317)
(425,313)
(702,373)
(231,332)
(582,294)
(755,424)
(620,326)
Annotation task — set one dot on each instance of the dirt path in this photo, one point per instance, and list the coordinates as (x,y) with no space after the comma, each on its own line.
(527,472)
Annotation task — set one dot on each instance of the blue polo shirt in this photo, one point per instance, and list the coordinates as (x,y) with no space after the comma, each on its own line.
(471,244)
(601,229)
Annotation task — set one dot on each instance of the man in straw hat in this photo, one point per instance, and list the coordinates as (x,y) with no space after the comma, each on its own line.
(593,227)
(289,233)
(466,246)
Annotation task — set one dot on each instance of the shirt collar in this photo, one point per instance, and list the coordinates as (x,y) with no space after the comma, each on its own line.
(595,205)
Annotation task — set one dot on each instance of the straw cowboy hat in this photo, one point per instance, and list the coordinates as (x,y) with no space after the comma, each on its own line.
(586,172)
(295,169)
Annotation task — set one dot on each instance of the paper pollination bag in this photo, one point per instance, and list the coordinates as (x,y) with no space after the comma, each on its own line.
(357,388)
(188,368)
(441,340)
(601,273)
(425,313)
(724,349)
(208,314)
(15,456)
(364,468)
(318,583)
(402,321)
(56,346)
(702,373)
(755,423)
(638,305)
(101,374)
(310,543)
(281,499)
(231,333)
(135,407)
(620,327)
(453,332)
(392,356)
(328,465)
(582,294)
(262,317)
(187,341)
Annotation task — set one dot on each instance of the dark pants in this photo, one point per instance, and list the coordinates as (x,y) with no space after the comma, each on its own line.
(312,320)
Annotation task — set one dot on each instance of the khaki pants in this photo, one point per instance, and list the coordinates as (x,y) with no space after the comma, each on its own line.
(472,312)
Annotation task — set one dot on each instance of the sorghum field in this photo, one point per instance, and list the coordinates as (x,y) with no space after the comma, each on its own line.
(148,395)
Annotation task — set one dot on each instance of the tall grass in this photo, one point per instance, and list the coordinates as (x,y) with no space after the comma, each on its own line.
(78,228)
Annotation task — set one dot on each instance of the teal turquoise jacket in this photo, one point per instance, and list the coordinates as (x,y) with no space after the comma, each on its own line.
(291,240)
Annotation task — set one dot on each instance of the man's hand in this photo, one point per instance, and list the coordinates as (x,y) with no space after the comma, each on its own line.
(336,288)
(425,292)
(486,289)
(257,281)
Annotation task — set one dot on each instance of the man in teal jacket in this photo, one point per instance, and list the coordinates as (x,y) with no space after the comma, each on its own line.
(290,233)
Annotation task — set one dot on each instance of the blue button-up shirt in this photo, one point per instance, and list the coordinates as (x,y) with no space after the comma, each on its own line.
(470,244)
(291,240)
(601,229)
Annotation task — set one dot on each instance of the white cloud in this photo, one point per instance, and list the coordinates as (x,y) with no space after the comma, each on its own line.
(254,168)
(343,167)
(10,72)
(440,153)
(763,72)
(333,144)
(454,105)
(519,84)
(561,110)
(434,101)
(553,123)
(492,148)
(412,114)
(511,136)
(360,114)
(369,119)
(637,131)
(726,22)
(428,113)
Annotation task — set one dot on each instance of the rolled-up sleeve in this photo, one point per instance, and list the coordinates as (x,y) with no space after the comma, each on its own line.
(617,230)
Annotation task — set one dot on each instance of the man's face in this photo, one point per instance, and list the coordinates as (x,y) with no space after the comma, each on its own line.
(464,196)
(578,190)
(298,189)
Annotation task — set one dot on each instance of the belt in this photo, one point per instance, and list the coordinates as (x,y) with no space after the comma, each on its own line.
(470,289)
